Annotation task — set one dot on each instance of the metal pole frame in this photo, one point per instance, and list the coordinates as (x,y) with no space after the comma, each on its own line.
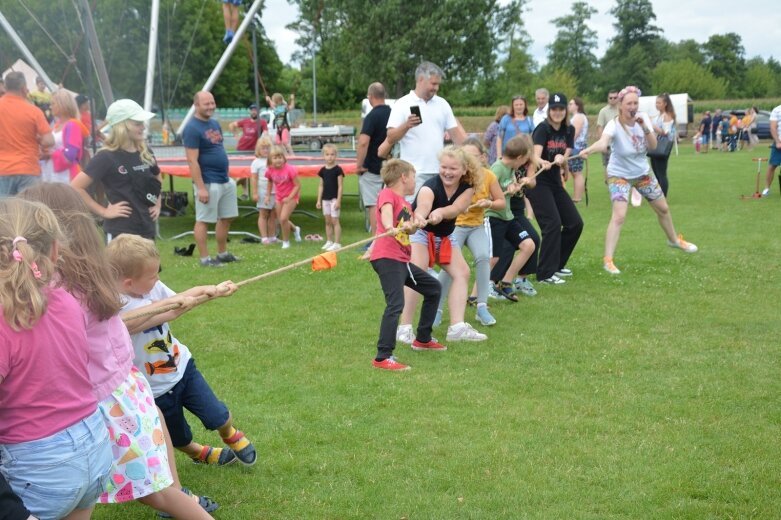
(26,52)
(226,55)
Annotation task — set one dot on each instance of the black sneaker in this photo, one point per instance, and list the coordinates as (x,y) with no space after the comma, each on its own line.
(227,257)
(211,262)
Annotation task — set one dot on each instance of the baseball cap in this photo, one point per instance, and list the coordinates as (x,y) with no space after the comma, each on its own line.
(124,109)
(81,99)
(557,100)
(252,106)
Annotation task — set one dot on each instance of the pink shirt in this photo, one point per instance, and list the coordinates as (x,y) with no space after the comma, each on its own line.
(393,248)
(46,386)
(110,354)
(283,180)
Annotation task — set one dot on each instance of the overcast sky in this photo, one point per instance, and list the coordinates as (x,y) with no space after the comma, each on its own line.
(759,26)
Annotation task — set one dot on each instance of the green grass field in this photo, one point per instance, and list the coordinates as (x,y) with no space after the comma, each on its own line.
(653,394)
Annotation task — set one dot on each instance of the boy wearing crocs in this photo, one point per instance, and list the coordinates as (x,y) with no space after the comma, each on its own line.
(168,364)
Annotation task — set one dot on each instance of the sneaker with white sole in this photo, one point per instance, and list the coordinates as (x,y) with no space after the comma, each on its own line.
(524,286)
(389,364)
(432,345)
(437,319)
(211,262)
(464,332)
(553,280)
(404,334)
(285,245)
(484,317)
(336,246)
(563,272)
(493,294)
(327,245)
(297,233)
(766,192)
(610,267)
(227,257)
(683,245)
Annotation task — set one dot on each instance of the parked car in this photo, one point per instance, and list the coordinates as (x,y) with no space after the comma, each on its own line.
(763,121)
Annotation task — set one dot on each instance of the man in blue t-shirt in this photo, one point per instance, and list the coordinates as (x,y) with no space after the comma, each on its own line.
(215,192)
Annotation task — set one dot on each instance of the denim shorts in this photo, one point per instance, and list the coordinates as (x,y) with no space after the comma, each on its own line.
(10,185)
(62,472)
(421,237)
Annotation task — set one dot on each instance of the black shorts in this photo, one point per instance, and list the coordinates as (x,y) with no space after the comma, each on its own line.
(510,230)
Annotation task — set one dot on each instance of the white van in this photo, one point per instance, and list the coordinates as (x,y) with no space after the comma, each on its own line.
(684,110)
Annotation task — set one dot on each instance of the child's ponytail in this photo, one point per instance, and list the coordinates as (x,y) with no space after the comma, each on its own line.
(28,232)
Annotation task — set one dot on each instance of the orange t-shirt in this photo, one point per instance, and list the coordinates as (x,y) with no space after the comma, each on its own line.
(20,125)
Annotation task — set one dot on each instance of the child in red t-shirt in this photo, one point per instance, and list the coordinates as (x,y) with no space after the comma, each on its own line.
(283,182)
(390,258)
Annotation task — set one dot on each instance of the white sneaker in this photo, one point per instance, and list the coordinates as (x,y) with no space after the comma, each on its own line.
(492,294)
(564,272)
(464,332)
(766,192)
(327,245)
(683,245)
(297,233)
(553,280)
(285,245)
(334,247)
(404,334)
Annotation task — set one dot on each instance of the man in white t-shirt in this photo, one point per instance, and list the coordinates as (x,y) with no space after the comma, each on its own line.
(541,96)
(422,137)
(775,149)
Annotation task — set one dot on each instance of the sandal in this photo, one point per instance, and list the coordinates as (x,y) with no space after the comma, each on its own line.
(506,290)
(215,456)
(242,448)
(205,502)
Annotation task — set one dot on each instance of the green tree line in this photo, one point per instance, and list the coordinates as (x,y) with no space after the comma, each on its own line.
(482,46)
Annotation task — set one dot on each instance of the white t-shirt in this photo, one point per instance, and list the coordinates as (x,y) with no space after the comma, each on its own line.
(159,355)
(628,148)
(258,167)
(421,144)
(539,115)
(775,115)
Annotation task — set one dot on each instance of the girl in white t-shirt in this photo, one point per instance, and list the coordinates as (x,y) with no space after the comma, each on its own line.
(630,135)
(267,220)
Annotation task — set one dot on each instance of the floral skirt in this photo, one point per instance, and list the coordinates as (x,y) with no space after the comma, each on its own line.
(135,432)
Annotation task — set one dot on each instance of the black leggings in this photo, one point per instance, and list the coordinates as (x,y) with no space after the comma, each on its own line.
(560,226)
(659,166)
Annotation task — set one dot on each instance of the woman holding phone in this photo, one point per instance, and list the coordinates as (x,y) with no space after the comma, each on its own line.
(631,136)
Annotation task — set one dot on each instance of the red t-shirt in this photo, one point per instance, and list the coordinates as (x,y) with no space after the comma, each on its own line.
(283,180)
(250,131)
(392,247)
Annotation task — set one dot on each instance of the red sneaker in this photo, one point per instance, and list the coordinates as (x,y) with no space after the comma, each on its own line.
(390,364)
(431,345)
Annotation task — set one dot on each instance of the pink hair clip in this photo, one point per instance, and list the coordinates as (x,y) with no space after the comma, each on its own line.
(17,255)
(36,272)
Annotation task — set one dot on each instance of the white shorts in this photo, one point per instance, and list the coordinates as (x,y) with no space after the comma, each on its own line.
(329,210)
(222,202)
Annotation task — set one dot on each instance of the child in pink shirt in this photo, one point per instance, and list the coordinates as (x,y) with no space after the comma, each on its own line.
(54,448)
(140,469)
(283,180)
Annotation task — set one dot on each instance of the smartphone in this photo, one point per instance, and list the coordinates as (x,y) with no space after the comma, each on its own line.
(415,109)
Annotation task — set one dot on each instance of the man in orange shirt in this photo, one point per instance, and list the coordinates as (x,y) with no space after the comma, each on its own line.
(24,136)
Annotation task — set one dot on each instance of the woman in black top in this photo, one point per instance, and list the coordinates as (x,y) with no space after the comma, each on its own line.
(438,203)
(558,218)
(128,172)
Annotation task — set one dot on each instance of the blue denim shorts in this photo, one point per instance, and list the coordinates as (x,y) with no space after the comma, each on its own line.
(10,185)
(62,472)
